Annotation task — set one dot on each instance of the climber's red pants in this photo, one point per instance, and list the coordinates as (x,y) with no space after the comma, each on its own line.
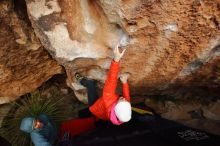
(77,126)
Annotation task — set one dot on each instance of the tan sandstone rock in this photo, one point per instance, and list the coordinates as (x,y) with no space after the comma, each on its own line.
(24,64)
(172,45)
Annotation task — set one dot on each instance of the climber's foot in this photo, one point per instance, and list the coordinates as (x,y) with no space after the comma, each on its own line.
(79,77)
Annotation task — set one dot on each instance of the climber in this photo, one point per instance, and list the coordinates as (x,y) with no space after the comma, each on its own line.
(110,106)
(42,130)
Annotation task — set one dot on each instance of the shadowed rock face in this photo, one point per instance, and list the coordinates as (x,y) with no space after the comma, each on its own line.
(171,44)
(24,64)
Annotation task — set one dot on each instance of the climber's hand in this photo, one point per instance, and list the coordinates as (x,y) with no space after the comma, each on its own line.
(117,54)
(124,77)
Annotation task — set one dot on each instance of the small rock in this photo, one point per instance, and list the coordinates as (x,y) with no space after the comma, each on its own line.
(64,91)
(212,111)
(196,114)
(82,96)
(20,41)
(34,46)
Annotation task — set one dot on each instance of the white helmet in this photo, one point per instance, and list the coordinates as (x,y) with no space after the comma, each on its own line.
(123,110)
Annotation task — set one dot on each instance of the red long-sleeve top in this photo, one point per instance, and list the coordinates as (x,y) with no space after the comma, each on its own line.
(102,107)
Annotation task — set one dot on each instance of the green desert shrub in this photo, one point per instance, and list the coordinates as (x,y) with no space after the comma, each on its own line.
(31,105)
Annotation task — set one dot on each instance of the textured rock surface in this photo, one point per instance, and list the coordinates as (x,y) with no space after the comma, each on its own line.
(24,64)
(172,45)
(191,113)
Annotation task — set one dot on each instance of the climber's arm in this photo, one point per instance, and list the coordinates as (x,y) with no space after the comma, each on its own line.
(125,87)
(111,81)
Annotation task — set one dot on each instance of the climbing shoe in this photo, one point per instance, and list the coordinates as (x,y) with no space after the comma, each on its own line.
(79,77)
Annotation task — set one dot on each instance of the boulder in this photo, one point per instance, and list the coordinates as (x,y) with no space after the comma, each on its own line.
(173,46)
(24,63)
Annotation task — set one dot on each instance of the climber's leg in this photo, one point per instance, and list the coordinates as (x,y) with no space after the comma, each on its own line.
(90,85)
(91,90)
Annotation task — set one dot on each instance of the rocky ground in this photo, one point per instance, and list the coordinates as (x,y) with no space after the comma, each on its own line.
(191,113)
